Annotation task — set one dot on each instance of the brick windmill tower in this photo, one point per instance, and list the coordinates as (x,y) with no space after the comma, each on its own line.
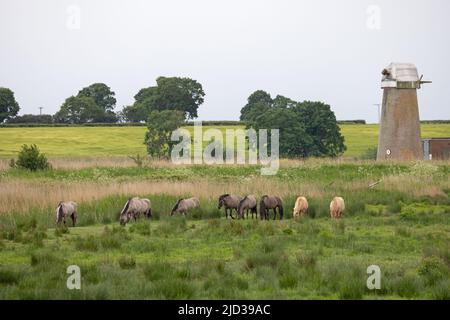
(399,137)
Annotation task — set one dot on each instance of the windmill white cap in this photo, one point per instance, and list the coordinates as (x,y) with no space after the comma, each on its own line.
(401,76)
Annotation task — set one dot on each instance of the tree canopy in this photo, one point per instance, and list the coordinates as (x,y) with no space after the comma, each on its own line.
(102,95)
(170,93)
(8,104)
(160,125)
(306,128)
(94,103)
(78,110)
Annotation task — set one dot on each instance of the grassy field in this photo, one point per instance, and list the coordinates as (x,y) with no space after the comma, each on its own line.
(402,225)
(125,141)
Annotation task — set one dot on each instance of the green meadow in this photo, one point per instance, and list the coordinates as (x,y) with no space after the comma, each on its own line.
(401,225)
(219,259)
(125,141)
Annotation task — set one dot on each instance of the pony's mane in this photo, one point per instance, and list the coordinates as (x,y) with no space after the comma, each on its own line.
(176,205)
(127,205)
(224,195)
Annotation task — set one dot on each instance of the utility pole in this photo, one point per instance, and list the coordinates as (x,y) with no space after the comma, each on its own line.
(379,115)
(40,110)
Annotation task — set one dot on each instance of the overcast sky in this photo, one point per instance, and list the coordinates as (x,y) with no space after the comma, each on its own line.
(332,51)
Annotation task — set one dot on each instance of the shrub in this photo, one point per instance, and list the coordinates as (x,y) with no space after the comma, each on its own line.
(442,290)
(111,238)
(60,230)
(9,276)
(142,228)
(174,288)
(157,270)
(407,286)
(127,262)
(433,269)
(45,258)
(370,154)
(307,260)
(138,160)
(31,158)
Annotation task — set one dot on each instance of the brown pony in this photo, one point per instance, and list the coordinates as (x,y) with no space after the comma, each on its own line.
(270,202)
(248,203)
(229,202)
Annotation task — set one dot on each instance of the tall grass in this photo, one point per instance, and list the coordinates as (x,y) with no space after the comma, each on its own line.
(101,192)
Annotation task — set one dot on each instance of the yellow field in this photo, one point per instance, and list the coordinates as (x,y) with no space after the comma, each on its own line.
(124,141)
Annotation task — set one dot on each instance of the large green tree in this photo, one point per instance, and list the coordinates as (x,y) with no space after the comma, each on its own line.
(170,93)
(257,103)
(321,125)
(160,125)
(8,104)
(306,128)
(294,141)
(79,110)
(104,97)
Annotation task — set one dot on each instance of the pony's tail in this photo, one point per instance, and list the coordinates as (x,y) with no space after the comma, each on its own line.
(59,213)
(240,206)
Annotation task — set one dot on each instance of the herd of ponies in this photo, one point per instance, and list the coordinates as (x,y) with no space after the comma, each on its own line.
(135,207)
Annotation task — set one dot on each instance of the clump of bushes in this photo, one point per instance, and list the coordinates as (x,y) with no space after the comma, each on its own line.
(30,158)
(111,238)
(8,276)
(60,230)
(306,259)
(29,232)
(127,262)
(142,228)
(45,258)
(370,154)
(433,269)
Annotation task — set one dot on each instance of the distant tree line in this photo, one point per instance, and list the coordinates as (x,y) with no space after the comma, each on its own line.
(96,104)
(307,128)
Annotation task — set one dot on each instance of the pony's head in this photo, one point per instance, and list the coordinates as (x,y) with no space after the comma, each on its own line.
(222,200)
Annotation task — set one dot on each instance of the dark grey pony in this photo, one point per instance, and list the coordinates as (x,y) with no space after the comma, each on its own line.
(229,202)
(133,209)
(183,205)
(65,209)
(249,203)
(270,202)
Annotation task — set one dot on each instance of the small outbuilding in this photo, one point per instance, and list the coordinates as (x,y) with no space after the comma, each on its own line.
(436,148)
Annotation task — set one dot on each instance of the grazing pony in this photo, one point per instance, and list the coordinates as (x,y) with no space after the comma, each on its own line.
(301,206)
(270,202)
(337,207)
(248,203)
(65,209)
(133,209)
(183,205)
(229,202)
